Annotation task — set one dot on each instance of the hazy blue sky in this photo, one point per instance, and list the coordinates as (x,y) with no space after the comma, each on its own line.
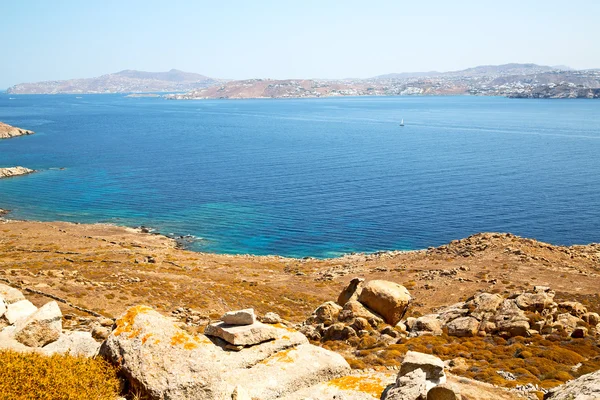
(61,39)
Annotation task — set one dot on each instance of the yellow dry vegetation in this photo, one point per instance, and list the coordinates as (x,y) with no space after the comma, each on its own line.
(547,362)
(37,377)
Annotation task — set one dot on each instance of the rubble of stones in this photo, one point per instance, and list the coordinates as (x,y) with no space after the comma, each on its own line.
(521,314)
(26,328)
(479,242)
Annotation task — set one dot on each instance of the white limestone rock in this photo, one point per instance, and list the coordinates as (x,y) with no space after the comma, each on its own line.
(241,335)
(19,310)
(239,317)
(40,328)
(74,343)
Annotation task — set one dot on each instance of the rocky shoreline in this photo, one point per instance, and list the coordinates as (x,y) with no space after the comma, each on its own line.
(8,131)
(10,172)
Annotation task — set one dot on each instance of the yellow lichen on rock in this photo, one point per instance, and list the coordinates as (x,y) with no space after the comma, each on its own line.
(367,384)
(125,322)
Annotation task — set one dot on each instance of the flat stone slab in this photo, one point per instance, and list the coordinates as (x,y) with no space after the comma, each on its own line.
(244,335)
(288,371)
(239,317)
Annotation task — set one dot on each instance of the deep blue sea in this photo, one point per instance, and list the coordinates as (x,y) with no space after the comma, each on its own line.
(309,177)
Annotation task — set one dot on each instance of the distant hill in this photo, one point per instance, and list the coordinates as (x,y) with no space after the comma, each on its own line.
(482,70)
(126,81)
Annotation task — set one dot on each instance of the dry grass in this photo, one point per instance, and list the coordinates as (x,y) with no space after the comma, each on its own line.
(38,377)
(546,362)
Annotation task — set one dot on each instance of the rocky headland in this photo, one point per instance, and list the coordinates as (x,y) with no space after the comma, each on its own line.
(8,131)
(10,172)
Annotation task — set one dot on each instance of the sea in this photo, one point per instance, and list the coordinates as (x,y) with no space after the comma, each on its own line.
(309,177)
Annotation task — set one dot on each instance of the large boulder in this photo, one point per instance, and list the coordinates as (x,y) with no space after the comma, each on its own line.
(535,301)
(419,373)
(463,327)
(161,360)
(40,328)
(586,387)
(19,310)
(164,362)
(388,299)
(511,320)
(410,386)
(351,292)
(74,343)
(431,365)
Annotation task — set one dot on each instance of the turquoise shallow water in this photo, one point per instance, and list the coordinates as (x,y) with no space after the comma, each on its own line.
(310,177)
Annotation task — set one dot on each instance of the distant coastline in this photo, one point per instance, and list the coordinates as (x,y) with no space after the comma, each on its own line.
(508,80)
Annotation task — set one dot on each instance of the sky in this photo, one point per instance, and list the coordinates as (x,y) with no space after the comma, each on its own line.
(64,39)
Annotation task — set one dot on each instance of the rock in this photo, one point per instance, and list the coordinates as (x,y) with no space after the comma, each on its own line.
(327,312)
(452,312)
(463,327)
(511,319)
(19,310)
(239,393)
(8,131)
(579,333)
(338,331)
(574,308)
(388,299)
(107,322)
(10,295)
(485,303)
(351,292)
(239,317)
(591,318)
(241,334)
(2,307)
(100,332)
(311,332)
(360,324)
(443,392)
(163,361)
(14,171)
(288,371)
(586,387)
(534,301)
(411,386)
(354,309)
(567,323)
(271,318)
(431,365)
(74,343)
(428,323)
(40,328)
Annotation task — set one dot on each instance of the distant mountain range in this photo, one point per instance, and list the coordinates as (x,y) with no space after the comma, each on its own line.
(126,81)
(512,80)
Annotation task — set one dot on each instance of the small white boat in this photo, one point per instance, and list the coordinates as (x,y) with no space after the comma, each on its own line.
(402,122)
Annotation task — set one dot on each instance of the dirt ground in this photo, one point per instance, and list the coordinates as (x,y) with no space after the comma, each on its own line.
(107,268)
